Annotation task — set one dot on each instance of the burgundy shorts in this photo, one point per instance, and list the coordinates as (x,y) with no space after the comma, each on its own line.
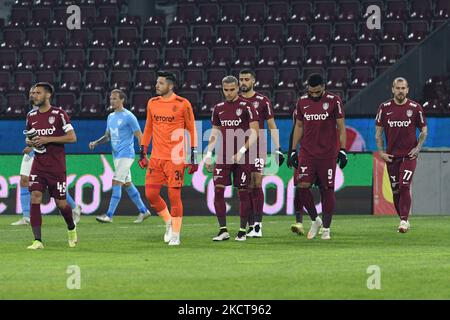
(55,182)
(241,174)
(323,169)
(401,171)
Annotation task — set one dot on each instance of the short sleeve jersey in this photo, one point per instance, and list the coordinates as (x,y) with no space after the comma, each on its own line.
(121,127)
(400,123)
(319,125)
(264,108)
(52,123)
(230,117)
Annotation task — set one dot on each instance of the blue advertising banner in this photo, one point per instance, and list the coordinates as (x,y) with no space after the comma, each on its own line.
(360,134)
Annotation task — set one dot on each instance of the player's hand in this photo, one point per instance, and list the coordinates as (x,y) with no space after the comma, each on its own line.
(143,161)
(40,141)
(293,160)
(192,168)
(208,164)
(92,145)
(342,158)
(27,150)
(279,157)
(237,157)
(386,157)
(414,153)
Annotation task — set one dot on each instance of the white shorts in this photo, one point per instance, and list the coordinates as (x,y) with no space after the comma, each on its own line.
(122,167)
(25,167)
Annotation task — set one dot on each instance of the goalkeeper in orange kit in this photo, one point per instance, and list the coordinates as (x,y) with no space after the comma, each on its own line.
(168,116)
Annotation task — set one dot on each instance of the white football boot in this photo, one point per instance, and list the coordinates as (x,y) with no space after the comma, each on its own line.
(168,233)
(314,228)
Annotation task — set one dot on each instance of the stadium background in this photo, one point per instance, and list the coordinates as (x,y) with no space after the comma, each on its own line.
(121,44)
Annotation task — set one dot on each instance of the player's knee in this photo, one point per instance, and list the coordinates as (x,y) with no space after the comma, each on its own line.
(244,194)
(61,204)
(404,187)
(24,181)
(117,183)
(219,193)
(152,193)
(36,197)
(304,185)
(395,191)
(127,185)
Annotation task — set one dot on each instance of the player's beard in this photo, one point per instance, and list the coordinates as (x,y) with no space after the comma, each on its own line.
(400,98)
(245,89)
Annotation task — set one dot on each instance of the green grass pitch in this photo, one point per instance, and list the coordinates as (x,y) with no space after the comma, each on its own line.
(127,261)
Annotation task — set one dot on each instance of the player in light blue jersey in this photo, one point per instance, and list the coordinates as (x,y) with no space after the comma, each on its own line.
(25,169)
(122,127)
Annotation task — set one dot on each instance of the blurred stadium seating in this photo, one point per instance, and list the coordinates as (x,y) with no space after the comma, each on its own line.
(283,40)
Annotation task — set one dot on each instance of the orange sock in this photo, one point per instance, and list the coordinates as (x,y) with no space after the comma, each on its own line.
(176,224)
(165,214)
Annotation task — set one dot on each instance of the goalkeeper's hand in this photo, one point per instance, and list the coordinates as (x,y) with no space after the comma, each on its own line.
(143,161)
(193,166)
(279,157)
(293,159)
(342,158)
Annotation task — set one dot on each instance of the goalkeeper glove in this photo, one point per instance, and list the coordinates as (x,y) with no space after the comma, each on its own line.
(193,166)
(342,158)
(293,159)
(279,157)
(143,161)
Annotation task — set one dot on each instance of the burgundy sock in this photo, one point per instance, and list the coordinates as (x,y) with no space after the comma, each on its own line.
(328,202)
(36,220)
(220,206)
(67,215)
(397,201)
(404,203)
(258,203)
(244,207)
(308,202)
(251,215)
(297,209)
(305,198)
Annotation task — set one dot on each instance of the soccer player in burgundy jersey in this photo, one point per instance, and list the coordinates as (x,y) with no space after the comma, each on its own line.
(319,112)
(308,201)
(399,118)
(264,108)
(235,127)
(48,129)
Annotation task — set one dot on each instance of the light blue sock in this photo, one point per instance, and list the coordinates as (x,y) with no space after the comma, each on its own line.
(25,201)
(134,195)
(115,199)
(70,200)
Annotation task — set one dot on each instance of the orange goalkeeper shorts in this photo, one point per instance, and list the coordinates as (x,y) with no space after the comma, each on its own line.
(165,172)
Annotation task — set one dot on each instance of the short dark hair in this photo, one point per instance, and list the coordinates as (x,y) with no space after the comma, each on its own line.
(315,80)
(122,95)
(248,71)
(170,76)
(47,87)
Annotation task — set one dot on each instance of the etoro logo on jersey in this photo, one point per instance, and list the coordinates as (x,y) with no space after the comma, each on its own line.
(399,124)
(46,132)
(231,123)
(320,116)
(163,118)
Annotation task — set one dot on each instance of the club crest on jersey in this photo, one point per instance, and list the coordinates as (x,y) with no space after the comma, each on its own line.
(256,104)
(325,106)
(119,122)
(174,108)
(238,112)
(409,113)
(51,119)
